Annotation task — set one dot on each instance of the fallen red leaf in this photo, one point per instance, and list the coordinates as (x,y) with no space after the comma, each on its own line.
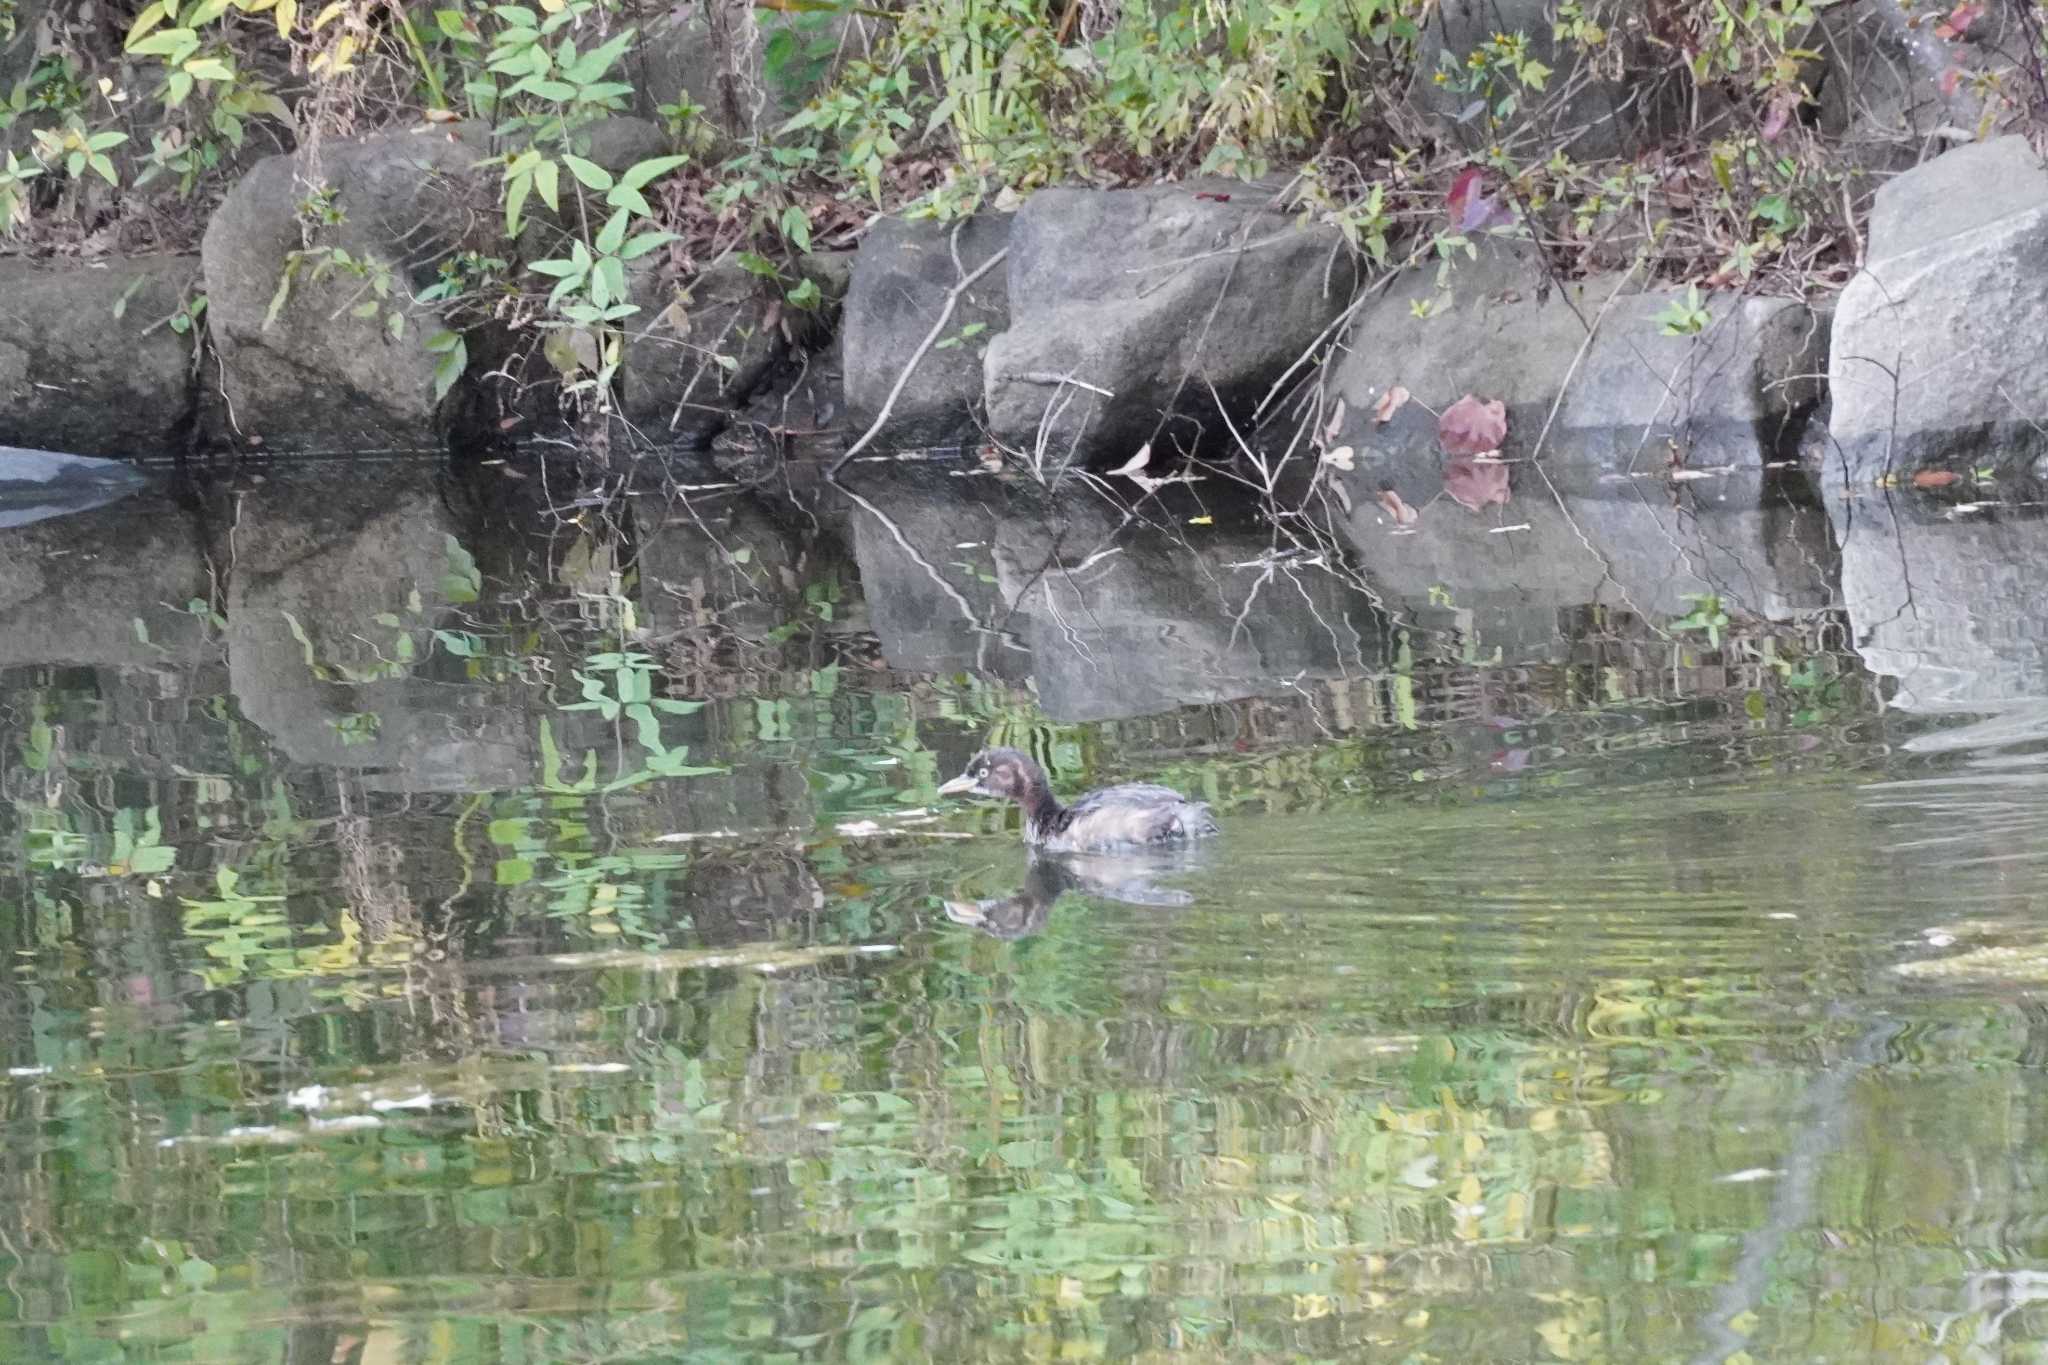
(1950,79)
(1470,427)
(1934,478)
(1966,13)
(1219,198)
(1471,208)
(1389,404)
(1401,512)
(1473,484)
(1778,115)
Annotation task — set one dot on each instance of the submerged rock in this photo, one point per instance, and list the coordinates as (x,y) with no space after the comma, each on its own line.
(1940,348)
(901,279)
(313,268)
(1134,313)
(88,360)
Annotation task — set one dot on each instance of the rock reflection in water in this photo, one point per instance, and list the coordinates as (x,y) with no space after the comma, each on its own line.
(1113,610)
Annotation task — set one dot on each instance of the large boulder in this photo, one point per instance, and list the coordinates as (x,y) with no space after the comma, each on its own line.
(692,351)
(902,277)
(1940,349)
(747,67)
(1604,98)
(1622,395)
(1133,313)
(314,263)
(89,361)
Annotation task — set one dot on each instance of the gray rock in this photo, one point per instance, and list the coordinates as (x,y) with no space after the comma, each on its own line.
(1940,346)
(1601,115)
(318,375)
(1880,96)
(1167,301)
(902,275)
(1734,393)
(721,61)
(88,361)
(675,384)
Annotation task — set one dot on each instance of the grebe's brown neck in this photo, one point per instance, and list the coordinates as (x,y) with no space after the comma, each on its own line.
(1043,813)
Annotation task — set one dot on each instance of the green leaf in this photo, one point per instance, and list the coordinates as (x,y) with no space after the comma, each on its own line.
(644,243)
(557,268)
(546,177)
(796,227)
(450,369)
(515,196)
(195,1273)
(589,173)
(640,173)
(613,235)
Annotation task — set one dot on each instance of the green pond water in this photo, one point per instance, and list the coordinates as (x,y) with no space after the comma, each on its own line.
(488,949)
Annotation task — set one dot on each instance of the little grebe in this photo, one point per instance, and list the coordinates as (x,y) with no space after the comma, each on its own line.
(1134,815)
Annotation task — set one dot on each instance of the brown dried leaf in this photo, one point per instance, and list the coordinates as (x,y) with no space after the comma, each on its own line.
(1470,427)
(1336,422)
(1473,484)
(1934,478)
(1389,404)
(1401,512)
(1342,457)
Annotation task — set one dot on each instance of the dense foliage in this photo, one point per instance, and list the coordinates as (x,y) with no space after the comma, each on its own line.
(791,123)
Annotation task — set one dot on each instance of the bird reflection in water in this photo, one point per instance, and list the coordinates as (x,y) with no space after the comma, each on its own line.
(1127,878)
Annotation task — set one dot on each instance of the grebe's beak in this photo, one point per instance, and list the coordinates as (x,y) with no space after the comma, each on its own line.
(958,786)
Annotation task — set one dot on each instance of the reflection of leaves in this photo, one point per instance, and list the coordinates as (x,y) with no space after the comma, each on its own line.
(1470,427)
(1475,483)
(1390,403)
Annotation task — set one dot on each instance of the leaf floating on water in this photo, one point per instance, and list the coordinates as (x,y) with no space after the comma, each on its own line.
(1201,521)
(1470,427)
(1390,403)
(1342,457)
(1935,478)
(1401,512)
(1135,463)
(1473,484)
